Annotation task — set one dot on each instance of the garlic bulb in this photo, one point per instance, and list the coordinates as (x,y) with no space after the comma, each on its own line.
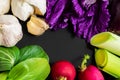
(39,6)
(10,30)
(23,9)
(4,6)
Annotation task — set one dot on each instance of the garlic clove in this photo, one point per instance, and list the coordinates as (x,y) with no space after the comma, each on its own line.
(21,9)
(34,29)
(37,11)
(4,6)
(10,30)
(36,26)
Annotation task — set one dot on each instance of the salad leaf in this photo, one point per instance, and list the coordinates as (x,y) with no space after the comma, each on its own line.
(88,17)
(30,69)
(8,57)
(32,51)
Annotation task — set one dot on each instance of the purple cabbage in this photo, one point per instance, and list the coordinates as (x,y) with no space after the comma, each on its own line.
(56,15)
(88,17)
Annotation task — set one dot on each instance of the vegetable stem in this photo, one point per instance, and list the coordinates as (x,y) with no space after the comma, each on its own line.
(108,62)
(108,41)
(83,64)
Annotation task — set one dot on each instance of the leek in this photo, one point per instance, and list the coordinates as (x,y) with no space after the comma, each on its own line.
(108,41)
(108,62)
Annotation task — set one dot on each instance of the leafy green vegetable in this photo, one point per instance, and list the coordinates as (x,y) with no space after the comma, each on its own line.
(32,51)
(30,69)
(3,75)
(30,62)
(8,57)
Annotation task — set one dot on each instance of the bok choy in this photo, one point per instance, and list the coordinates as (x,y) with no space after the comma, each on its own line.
(32,51)
(8,57)
(30,69)
(3,75)
(30,62)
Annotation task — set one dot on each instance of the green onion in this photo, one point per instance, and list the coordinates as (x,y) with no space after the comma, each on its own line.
(108,41)
(108,62)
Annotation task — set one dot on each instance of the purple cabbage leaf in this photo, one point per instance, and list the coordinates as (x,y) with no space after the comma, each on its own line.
(88,17)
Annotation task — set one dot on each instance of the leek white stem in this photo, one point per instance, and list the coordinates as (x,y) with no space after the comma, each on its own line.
(108,62)
(108,41)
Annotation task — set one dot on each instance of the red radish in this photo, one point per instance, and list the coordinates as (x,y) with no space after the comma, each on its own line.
(63,70)
(90,72)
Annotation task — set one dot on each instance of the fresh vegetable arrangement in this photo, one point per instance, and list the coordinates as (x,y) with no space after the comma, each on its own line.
(89,19)
(30,62)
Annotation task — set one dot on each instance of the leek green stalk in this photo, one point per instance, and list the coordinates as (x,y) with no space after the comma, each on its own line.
(108,41)
(108,62)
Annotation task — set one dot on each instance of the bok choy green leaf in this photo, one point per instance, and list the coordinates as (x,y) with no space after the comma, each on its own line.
(8,57)
(32,51)
(3,75)
(30,69)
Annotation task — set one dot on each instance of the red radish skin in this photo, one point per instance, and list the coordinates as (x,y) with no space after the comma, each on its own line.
(63,70)
(90,72)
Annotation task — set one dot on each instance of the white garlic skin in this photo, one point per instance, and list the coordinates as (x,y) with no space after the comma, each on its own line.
(4,6)
(10,30)
(23,9)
